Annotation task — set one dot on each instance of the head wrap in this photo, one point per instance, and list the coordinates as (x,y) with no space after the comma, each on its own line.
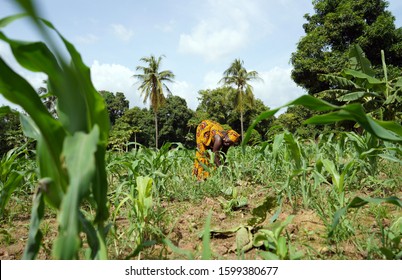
(233,135)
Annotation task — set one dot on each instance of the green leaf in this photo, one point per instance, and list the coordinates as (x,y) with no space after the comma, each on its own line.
(294,149)
(358,60)
(7,20)
(262,116)
(353,96)
(178,250)
(79,153)
(278,226)
(385,130)
(29,127)
(269,256)
(358,202)
(80,109)
(35,235)
(244,240)
(4,110)
(330,167)
(91,234)
(13,180)
(19,91)
(84,107)
(338,81)
(206,240)
(81,87)
(144,197)
(398,83)
(362,76)
(282,249)
(276,145)
(390,158)
(259,238)
(305,100)
(34,56)
(259,213)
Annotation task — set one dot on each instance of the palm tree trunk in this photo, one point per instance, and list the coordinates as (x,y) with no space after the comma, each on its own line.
(156,130)
(241,123)
(241,110)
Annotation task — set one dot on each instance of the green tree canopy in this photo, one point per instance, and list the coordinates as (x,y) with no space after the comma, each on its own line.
(116,104)
(152,83)
(11,135)
(134,125)
(219,105)
(237,75)
(216,104)
(335,26)
(173,119)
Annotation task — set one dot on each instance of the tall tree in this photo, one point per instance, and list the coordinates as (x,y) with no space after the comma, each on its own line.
(335,26)
(173,119)
(49,100)
(116,104)
(135,125)
(218,105)
(152,84)
(11,135)
(236,75)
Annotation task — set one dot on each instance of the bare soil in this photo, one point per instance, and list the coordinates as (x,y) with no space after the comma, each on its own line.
(187,221)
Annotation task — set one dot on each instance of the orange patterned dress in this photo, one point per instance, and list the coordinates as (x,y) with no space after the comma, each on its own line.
(205,136)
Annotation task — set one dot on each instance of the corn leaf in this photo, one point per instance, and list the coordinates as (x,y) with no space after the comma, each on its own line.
(79,153)
(359,202)
(35,234)
(75,170)
(206,240)
(19,91)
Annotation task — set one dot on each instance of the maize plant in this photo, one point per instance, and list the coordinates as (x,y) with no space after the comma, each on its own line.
(71,149)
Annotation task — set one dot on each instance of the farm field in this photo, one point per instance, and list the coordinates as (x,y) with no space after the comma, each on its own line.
(322,181)
(275,201)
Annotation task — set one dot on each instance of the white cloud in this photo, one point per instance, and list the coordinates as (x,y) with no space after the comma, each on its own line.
(87,39)
(116,78)
(228,27)
(211,42)
(186,91)
(278,88)
(166,26)
(211,79)
(122,32)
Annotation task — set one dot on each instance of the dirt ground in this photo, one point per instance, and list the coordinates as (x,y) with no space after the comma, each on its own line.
(187,226)
(186,233)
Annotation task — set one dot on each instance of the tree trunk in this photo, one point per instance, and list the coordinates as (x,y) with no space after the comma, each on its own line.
(240,89)
(156,130)
(241,124)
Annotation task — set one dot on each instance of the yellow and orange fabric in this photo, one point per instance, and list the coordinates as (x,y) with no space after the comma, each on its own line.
(205,136)
(233,135)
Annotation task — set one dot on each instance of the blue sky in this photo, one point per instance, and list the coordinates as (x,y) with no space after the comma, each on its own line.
(199,39)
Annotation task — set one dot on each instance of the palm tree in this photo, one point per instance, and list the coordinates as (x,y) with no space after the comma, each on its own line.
(152,85)
(238,76)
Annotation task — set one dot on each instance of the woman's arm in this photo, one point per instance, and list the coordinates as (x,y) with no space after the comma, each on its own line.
(218,143)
